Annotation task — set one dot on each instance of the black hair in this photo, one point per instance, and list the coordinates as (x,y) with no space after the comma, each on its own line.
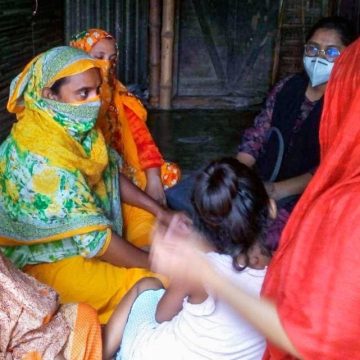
(231,208)
(341,25)
(55,87)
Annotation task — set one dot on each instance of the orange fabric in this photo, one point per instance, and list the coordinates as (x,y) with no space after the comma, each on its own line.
(33,355)
(148,152)
(86,343)
(33,326)
(314,276)
(123,118)
(170,174)
(86,40)
(130,135)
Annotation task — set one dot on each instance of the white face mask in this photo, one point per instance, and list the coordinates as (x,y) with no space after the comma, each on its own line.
(318,69)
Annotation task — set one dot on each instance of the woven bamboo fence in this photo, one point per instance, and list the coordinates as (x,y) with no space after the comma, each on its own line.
(27,28)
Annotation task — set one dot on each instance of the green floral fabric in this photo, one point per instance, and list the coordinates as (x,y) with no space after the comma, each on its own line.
(41,199)
(38,200)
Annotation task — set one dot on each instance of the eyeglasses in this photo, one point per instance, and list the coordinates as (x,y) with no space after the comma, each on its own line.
(330,54)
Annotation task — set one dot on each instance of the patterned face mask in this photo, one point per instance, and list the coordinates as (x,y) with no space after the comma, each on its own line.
(76,118)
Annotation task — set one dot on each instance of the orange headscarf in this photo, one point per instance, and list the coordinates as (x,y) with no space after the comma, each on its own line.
(122,117)
(87,39)
(314,277)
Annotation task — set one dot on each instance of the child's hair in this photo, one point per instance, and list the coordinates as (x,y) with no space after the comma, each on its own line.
(231,208)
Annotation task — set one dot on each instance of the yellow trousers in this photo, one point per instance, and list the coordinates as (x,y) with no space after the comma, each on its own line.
(89,281)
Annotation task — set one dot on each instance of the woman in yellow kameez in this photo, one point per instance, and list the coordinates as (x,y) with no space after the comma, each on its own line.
(60,186)
(122,120)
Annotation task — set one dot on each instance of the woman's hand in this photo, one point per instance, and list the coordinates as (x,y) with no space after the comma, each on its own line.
(154,186)
(177,250)
(293,186)
(270,188)
(134,196)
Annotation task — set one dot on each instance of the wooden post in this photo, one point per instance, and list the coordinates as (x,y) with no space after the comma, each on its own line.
(167,44)
(154,23)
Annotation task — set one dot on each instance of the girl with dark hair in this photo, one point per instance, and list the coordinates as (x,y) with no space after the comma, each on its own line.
(231,209)
(187,321)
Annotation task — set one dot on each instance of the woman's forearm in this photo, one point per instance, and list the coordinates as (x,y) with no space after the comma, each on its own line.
(292,186)
(152,172)
(262,314)
(154,186)
(246,159)
(134,196)
(122,253)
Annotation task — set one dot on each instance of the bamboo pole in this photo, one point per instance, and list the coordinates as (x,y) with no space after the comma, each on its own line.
(154,23)
(167,44)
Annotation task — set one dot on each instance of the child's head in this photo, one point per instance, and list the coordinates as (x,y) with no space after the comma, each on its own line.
(232,208)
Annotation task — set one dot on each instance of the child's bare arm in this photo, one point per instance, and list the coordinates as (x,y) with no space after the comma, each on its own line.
(172,301)
(114,329)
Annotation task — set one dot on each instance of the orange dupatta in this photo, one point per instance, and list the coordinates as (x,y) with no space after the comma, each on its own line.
(122,118)
(314,278)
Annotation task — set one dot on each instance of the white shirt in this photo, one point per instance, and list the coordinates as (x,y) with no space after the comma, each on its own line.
(210,330)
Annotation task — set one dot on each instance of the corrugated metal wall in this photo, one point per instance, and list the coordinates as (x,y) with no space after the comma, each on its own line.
(127,20)
(21,36)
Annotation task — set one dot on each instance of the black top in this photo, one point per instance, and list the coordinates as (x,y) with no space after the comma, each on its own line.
(301,145)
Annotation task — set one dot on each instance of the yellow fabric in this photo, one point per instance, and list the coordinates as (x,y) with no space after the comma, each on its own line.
(14,106)
(57,146)
(130,150)
(93,282)
(138,225)
(36,123)
(73,69)
(5,241)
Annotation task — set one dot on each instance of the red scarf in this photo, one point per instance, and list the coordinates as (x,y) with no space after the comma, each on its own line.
(314,278)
